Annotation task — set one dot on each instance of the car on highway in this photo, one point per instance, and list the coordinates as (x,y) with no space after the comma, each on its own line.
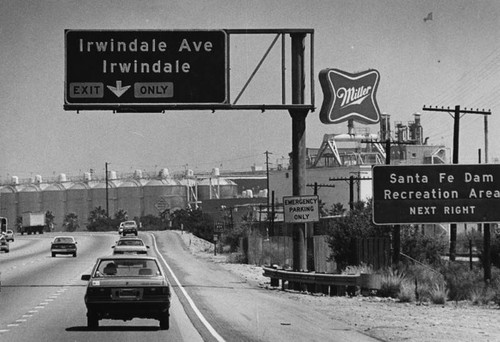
(63,245)
(9,235)
(4,244)
(124,287)
(130,245)
(128,227)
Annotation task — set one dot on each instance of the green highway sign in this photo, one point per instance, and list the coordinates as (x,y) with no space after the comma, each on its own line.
(110,69)
(436,193)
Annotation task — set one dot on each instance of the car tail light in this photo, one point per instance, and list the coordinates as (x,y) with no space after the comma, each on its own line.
(151,291)
(98,291)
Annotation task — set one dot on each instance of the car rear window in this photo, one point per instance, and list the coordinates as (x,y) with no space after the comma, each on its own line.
(63,240)
(127,268)
(130,243)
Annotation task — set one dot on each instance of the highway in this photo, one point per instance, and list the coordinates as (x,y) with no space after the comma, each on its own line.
(41,299)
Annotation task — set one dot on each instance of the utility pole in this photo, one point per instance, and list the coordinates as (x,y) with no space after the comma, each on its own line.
(267,153)
(107,196)
(456,130)
(351,180)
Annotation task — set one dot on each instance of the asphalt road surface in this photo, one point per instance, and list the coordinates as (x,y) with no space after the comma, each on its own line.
(41,299)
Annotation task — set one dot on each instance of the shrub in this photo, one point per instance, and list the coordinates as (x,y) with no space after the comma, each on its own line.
(390,285)
(423,248)
(406,292)
(424,278)
(439,294)
(460,280)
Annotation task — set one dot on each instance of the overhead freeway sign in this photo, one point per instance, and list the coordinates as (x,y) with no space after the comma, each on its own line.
(109,69)
(436,193)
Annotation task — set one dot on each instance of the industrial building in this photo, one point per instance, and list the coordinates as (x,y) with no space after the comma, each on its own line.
(331,169)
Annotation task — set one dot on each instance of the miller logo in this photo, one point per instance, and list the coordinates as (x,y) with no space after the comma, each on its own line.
(349,96)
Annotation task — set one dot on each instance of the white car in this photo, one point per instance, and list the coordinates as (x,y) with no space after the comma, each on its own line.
(130,245)
(128,227)
(9,235)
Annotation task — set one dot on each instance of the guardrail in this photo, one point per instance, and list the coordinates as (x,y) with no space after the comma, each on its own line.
(328,284)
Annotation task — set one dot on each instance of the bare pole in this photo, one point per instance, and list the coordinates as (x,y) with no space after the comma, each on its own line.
(107,192)
(298,145)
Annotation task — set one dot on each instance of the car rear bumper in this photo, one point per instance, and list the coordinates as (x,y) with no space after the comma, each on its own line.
(128,310)
(63,251)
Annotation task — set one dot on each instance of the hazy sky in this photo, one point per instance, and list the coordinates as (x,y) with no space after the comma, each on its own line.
(453,59)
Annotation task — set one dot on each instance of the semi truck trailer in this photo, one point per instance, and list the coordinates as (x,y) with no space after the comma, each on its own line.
(33,223)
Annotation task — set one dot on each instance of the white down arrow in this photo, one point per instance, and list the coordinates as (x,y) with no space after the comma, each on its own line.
(118,90)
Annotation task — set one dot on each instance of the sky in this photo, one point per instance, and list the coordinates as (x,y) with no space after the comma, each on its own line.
(452,59)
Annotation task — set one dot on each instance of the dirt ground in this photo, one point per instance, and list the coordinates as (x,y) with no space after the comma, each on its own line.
(382,318)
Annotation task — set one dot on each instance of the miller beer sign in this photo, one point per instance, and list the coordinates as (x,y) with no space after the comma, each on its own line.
(349,96)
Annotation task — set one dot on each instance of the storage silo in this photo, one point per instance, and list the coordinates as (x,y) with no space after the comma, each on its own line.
(8,203)
(162,194)
(78,201)
(30,198)
(54,200)
(212,188)
(129,197)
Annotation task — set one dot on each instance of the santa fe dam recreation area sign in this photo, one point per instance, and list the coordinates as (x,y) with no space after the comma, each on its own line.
(436,193)
(109,69)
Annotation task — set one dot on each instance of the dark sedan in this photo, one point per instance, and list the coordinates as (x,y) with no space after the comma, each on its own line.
(63,245)
(126,287)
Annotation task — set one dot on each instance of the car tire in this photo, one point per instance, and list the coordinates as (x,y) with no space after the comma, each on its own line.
(165,321)
(53,255)
(7,250)
(92,320)
(74,255)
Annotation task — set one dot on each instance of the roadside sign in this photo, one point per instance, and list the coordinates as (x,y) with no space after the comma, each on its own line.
(162,205)
(219,226)
(301,209)
(436,193)
(112,68)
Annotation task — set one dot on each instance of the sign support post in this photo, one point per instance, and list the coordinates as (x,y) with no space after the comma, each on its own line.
(298,147)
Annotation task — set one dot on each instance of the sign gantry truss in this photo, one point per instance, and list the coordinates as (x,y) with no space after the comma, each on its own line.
(156,71)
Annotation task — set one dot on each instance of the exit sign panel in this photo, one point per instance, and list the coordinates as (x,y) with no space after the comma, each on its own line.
(145,67)
(436,193)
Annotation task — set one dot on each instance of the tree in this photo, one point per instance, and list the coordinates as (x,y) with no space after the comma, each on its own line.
(49,220)
(70,223)
(357,224)
(194,221)
(98,220)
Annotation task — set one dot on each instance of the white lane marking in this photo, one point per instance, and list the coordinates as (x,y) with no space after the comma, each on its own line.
(190,301)
(12,325)
(4,330)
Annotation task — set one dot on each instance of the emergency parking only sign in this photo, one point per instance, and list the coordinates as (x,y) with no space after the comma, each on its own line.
(301,209)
